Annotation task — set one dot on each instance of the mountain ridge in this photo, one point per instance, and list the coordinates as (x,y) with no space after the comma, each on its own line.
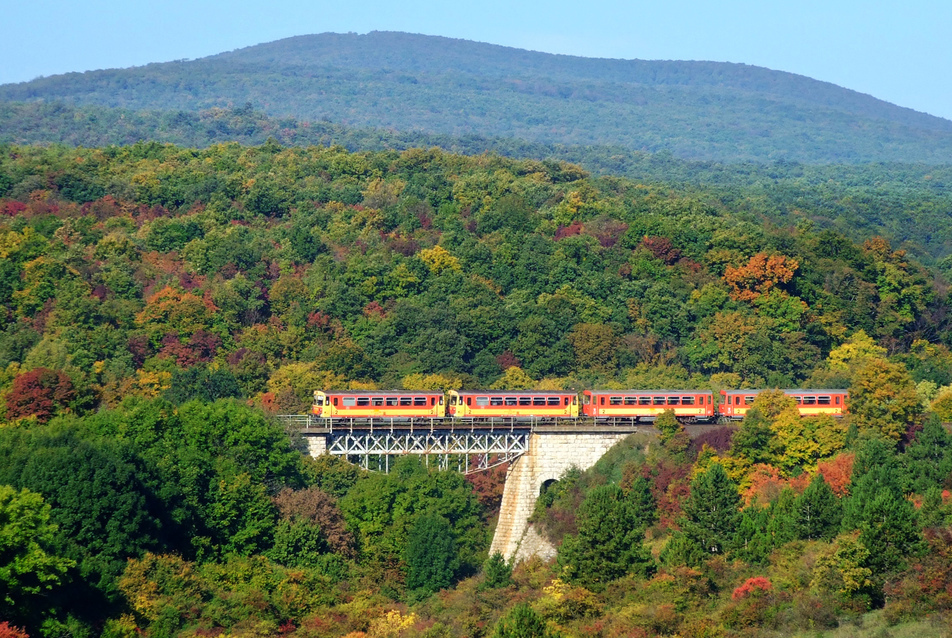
(406,82)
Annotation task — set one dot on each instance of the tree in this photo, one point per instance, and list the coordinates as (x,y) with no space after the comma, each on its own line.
(522,622)
(431,555)
(673,436)
(498,572)
(609,540)
(40,392)
(711,514)
(883,399)
(28,566)
(817,511)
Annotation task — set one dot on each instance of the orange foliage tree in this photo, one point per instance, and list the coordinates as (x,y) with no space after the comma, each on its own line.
(762,273)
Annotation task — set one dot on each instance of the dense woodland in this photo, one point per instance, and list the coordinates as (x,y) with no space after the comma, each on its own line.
(160,304)
(414,83)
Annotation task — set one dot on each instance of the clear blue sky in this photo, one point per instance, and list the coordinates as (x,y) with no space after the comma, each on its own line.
(897,50)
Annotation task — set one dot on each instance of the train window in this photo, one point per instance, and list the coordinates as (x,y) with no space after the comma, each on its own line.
(363,401)
(419,401)
(511,401)
(556,401)
(538,400)
(674,400)
(688,400)
(432,400)
(644,400)
(749,399)
(737,400)
(349,401)
(391,400)
(469,400)
(657,400)
(406,401)
(318,400)
(586,399)
(614,400)
(631,400)
(799,399)
(809,400)
(823,400)
(376,401)
(495,400)
(837,400)
(335,400)
(482,401)
(601,400)
(525,400)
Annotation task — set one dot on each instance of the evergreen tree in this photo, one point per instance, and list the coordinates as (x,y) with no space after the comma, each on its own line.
(711,514)
(751,543)
(753,440)
(928,459)
(498,572)
(431,555)
(609,541)
(890,532)
(523,622)
(817,511)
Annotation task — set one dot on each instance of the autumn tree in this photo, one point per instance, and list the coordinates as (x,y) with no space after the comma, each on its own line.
(40,392)
(883,399)
(760,275)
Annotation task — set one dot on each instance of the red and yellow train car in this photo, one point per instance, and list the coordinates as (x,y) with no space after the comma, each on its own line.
(735,403)
(369,404)
(645,405)
(519,405)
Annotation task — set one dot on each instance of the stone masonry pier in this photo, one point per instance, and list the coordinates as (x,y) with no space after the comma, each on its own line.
(551,452)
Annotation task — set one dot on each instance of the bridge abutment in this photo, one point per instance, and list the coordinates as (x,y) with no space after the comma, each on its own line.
(549,455)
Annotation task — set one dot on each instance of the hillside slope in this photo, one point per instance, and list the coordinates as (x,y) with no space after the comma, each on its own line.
(699,110)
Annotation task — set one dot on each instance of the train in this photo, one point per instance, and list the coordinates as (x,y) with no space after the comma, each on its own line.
(557,406)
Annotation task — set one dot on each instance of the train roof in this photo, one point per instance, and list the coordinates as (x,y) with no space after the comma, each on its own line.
(791,391)
(658,392)
(381,393)
(517,393)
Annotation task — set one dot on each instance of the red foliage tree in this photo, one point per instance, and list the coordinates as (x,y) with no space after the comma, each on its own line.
(661,248)
(837,472)
(9,631)
(39,392)
(319,508)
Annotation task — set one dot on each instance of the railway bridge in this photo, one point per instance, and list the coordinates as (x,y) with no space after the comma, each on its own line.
(537,453)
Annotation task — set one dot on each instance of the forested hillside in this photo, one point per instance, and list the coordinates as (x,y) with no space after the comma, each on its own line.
(411,83)
(909,204)
(159,303)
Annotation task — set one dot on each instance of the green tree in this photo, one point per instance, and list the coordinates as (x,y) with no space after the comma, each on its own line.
(609,543)
(818,511)
(431,555)
(522,622)
(29,567)
(711,514)
(498,572)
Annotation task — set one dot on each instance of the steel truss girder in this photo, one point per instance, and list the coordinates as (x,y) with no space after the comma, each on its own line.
(476,450)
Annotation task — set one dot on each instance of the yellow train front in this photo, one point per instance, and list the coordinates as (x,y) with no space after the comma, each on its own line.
(512,405)
(365,406)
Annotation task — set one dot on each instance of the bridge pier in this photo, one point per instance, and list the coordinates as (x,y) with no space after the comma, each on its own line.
(551,452)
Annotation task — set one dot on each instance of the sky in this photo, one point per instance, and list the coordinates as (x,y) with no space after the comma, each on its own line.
(896,50)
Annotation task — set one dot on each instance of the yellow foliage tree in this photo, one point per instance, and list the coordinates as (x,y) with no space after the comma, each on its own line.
(513,379)
(303,379)
(438,259)
(431,382)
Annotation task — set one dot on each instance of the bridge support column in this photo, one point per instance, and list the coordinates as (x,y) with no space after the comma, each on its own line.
(316,445)
(548,457)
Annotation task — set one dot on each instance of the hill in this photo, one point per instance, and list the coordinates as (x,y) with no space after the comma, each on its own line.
(696,110)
